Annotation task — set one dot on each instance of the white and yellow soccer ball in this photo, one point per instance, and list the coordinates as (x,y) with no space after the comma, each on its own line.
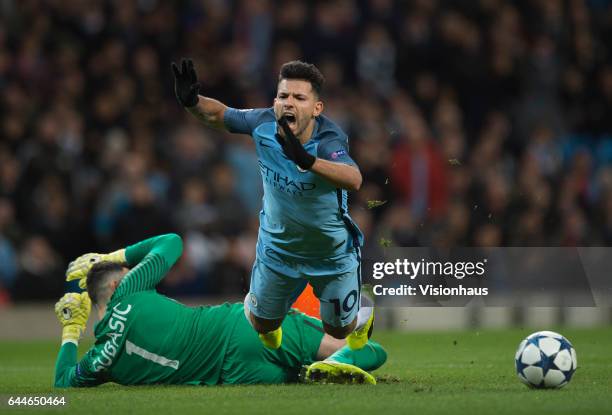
(545,360)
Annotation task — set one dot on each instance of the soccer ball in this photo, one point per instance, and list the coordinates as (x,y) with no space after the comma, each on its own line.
(545,359)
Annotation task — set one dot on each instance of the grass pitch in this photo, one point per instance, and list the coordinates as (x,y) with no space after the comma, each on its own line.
(468,372)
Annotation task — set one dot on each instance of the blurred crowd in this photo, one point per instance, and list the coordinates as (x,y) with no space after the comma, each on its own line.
(474,123)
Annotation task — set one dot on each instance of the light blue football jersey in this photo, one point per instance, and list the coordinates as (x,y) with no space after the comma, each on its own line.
(304,220)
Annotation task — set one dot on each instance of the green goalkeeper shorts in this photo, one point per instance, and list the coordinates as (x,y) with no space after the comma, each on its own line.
(247,361)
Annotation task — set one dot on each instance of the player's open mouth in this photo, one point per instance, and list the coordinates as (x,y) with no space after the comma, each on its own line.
(290,118)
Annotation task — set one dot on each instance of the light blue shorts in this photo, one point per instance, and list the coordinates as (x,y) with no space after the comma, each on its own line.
(272,292)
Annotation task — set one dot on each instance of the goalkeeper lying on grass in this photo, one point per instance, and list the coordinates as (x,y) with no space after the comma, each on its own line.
(146,338)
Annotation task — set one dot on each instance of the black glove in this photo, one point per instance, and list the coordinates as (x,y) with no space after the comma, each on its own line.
(186,86)
(292,147)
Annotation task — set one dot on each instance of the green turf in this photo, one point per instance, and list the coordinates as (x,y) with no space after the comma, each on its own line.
(466,372)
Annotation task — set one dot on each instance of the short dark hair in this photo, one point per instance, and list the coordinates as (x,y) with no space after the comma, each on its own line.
(97,276)
(303,71)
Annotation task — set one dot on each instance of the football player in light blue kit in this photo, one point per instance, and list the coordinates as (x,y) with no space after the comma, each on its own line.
(305,234)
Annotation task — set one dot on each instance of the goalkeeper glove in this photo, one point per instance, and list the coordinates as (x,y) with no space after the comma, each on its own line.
(186,86)
(72,311)
(292,147)
(78,269)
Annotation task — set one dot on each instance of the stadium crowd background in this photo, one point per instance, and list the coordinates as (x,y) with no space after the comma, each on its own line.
(480,122)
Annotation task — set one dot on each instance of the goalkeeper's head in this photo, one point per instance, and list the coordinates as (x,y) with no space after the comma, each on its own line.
(102,280)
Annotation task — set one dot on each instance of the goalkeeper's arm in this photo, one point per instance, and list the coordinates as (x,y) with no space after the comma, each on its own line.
(69,373)
(65,366)
(210,111)
(72,311)
(151,259)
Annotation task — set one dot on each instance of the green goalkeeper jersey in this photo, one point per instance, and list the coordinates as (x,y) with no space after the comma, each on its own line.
(146,337)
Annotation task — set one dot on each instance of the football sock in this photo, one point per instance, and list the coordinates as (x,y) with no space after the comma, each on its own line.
(246,309)
(365,310)
(272,339)
(363,316)
(370,357)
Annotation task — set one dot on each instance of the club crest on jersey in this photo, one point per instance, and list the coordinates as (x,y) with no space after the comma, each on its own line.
(337,154)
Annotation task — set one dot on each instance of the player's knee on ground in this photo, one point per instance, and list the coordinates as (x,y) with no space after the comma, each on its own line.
(262,325)
(340,332)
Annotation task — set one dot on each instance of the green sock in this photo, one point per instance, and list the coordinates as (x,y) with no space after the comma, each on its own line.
(371,357)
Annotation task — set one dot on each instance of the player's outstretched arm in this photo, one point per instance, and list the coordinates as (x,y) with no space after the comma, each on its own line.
(186,86)
(342,175)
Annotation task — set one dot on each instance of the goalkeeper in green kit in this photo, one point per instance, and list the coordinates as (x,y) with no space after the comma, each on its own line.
(143,337)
